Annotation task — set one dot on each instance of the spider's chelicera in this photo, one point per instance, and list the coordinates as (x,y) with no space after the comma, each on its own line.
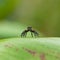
(29,29)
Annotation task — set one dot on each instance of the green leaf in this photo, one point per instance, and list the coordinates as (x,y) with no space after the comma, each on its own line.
(18,48)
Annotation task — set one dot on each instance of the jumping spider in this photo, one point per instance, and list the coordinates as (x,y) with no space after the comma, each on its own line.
(29,29)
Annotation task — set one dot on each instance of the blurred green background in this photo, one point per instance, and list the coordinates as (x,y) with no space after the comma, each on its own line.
(42,15)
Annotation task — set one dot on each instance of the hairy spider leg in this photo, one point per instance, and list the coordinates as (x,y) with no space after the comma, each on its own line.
(31,32)
(24,33)
(35,33)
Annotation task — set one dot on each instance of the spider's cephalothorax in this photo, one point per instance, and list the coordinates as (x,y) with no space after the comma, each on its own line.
(33,32)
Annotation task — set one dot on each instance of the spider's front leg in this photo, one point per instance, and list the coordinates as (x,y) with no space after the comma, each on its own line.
(24,33)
